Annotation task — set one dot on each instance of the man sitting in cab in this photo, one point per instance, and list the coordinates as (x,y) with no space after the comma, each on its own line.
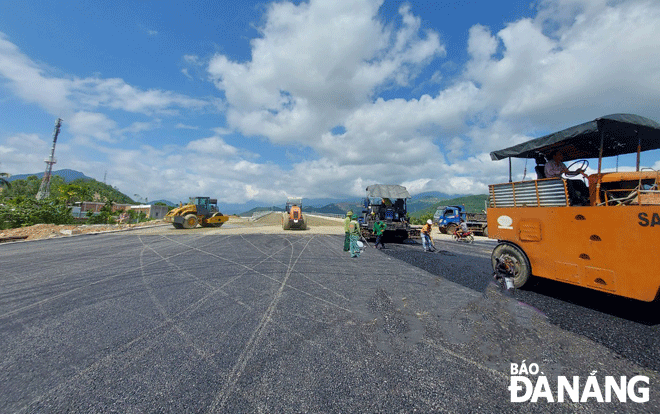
(577,189)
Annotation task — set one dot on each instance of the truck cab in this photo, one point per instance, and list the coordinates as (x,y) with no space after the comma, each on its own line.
(449,217)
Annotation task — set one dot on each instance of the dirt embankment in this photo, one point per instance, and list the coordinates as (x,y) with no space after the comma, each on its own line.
(271,223)
(48,231)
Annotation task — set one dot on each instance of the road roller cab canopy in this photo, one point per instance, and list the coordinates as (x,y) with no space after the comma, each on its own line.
(617,134)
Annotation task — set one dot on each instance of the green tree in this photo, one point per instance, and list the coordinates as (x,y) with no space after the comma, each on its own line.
(422,219)
(71,193)
(105,215)
(26,211)
(83,190)
(23,188)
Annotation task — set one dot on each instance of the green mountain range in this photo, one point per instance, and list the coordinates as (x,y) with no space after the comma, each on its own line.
(473,204)
(417,206)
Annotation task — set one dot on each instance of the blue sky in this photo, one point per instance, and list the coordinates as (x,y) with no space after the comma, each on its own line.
(256,101)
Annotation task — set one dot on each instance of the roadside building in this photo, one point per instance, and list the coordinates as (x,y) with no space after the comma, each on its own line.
(151,211)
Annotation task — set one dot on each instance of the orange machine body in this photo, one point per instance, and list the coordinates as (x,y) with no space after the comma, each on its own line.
(292,217)
(611,249)
(602,234)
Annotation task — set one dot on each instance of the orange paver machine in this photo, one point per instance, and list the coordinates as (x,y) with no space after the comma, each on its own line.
(602,234)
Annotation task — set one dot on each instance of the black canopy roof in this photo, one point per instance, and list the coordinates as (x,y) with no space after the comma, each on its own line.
(622,133)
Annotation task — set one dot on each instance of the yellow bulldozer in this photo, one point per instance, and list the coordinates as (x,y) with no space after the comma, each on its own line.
(200,210)
(292,217)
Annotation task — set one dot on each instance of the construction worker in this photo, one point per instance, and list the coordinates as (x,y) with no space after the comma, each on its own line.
(379,229)
(354,234)
(427,241)
(347,238)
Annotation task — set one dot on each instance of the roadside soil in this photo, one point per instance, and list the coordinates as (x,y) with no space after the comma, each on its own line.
(267,224)
(48,231)
(271,223)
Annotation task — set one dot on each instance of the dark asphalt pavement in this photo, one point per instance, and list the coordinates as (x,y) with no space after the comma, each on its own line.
(198,323)
(628,327)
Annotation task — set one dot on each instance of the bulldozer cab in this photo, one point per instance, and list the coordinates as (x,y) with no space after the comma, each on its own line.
(598,241)
(206,206)
(293,201)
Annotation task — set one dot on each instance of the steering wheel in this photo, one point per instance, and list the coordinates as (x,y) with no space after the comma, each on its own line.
(583,165)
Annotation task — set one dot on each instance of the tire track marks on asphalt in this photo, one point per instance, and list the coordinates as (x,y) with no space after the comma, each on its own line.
(74,290)
(302,275)
(249,268)
(166,317)
(255,338)
(131,350)
(169,324)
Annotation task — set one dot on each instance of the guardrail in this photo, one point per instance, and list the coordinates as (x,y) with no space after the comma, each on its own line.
(259,214)
(326,214)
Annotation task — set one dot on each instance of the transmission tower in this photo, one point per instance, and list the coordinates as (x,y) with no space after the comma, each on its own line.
(44,189)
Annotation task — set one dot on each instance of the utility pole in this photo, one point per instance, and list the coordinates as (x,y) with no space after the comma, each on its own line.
(44,189)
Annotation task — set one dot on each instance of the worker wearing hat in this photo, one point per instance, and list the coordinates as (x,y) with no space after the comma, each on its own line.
(427,242)
(354,236)
(347,237)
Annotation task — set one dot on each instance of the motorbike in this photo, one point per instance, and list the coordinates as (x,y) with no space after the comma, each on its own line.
(466,237)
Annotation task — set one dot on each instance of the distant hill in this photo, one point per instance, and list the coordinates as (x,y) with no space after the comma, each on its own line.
(166,202)
(430,195)
(425,201)
(328,209)
(89,188)
(418,205)
(256,209)
(473,204)
(66,174)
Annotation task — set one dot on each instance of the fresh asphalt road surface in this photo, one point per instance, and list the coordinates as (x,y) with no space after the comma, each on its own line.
(628,327)
(210,323)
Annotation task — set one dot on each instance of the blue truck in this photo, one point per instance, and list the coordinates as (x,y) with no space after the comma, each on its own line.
(447,218)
